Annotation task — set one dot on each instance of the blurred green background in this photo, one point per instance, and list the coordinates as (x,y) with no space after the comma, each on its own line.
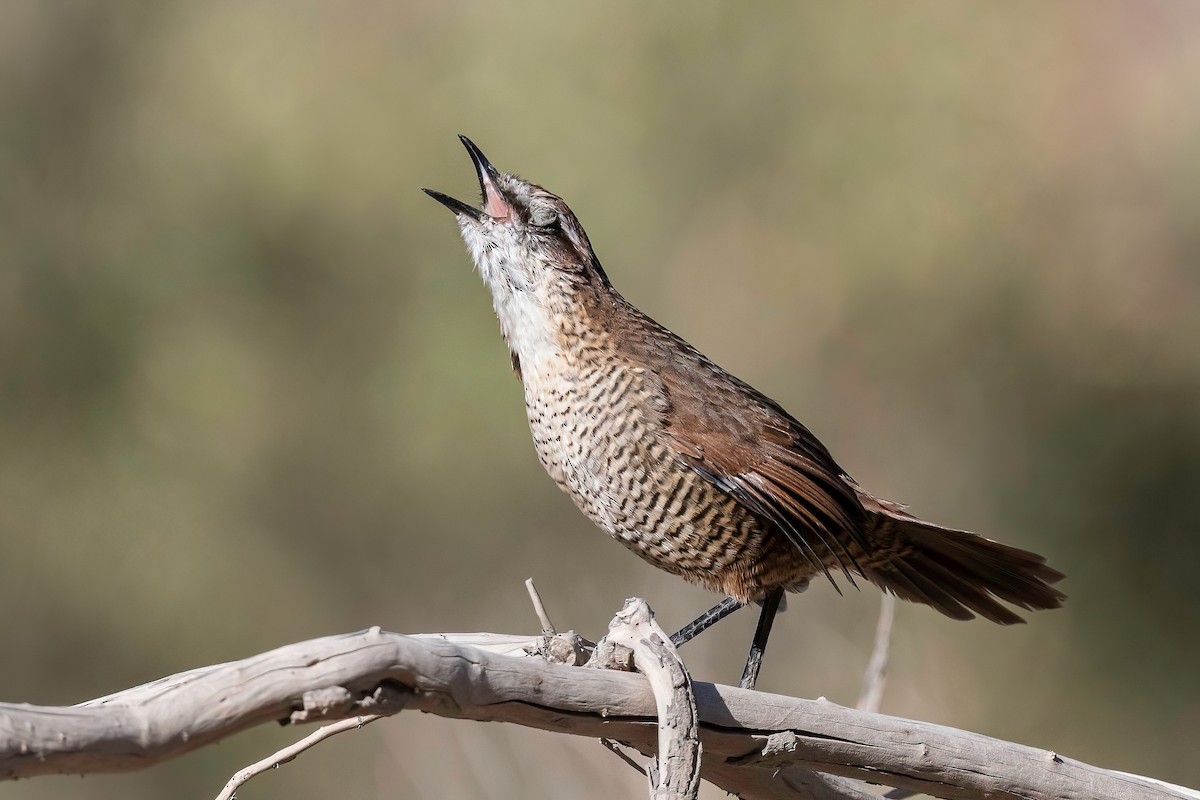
(252,392)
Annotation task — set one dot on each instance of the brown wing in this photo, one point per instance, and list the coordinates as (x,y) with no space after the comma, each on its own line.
(748,446)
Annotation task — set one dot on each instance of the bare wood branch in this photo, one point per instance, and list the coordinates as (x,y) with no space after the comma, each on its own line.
(757,745)
(678,774)
(876,676)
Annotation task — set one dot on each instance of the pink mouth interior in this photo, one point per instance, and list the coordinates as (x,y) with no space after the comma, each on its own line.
(493,204)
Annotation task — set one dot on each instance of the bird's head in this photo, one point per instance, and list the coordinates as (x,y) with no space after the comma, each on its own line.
(523,239)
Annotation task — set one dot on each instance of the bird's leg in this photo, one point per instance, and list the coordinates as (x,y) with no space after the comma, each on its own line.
(705,621)
(758,647)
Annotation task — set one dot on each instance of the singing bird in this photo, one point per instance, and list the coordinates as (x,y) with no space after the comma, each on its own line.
(686,465)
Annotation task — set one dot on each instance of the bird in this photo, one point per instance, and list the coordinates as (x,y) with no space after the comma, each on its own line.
(688,466)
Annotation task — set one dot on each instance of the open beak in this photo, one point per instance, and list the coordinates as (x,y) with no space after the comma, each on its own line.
(494,204)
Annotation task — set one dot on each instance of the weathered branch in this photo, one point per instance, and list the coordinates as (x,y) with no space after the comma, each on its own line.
(757,745)
(677,776)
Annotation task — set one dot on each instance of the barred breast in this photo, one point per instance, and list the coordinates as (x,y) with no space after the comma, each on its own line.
(595,421)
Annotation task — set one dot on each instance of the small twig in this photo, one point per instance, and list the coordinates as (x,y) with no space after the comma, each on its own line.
(539,609)
(291,751)
(612,746)
(559,648)
(876,675)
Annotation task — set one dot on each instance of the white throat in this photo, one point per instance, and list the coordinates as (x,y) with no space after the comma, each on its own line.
(526,297)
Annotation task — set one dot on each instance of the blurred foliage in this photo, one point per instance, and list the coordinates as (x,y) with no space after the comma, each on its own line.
(252,391)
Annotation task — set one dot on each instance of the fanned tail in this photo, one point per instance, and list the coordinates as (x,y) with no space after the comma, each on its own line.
(961,574)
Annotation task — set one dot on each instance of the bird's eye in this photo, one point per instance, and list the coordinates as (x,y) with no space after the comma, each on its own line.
(545,218)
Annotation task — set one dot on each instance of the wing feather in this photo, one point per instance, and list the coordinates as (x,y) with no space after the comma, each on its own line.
(749,446)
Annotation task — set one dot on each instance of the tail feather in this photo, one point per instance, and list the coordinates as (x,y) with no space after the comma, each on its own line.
(960,574)
(929,589)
